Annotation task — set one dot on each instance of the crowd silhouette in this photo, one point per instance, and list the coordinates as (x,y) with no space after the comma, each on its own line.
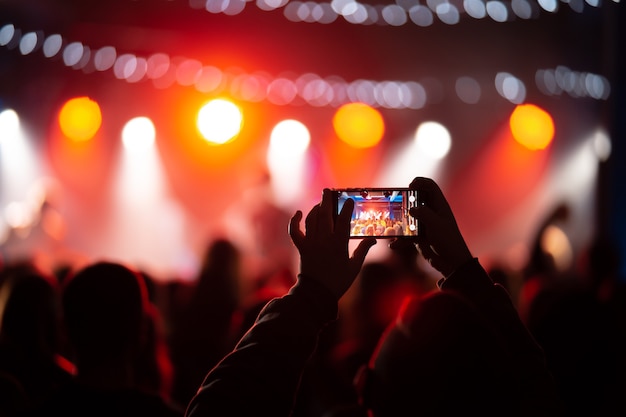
(340,337)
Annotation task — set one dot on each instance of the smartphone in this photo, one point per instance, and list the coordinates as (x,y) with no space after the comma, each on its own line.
(382,213)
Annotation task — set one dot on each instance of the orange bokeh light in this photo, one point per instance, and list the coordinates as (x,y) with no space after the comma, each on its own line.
(532,126)
(80,118)
(359,125)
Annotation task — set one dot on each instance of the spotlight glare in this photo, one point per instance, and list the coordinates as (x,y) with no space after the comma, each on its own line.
(219,121)
(138,134)
(359,125)
(433,139)
(80,118)
(532,126)
(9,124)
(290,137)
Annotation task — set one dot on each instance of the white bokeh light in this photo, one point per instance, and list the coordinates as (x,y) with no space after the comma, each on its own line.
(138,134)
(219,121)
(433,139)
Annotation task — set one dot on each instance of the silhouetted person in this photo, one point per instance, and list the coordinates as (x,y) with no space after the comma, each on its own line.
(541,269)
(580,324)
(104,308)
(155,371)
(30,333)
(459,351)
(200,332)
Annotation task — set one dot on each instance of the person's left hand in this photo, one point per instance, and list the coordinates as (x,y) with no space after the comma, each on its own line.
(324,248)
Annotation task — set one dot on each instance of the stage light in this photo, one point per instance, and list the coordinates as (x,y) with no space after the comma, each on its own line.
(138,134)
(531,126)
(9,125)
(219,121)
(80,118)
(359,125)
(433,139)
(19,164)
(290,137)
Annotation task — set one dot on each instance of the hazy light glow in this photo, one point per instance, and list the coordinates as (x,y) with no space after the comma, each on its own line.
(18,161)
(555,242)
(219,121)
(433,139)
(532,126)
(286,154)
(148,225)
(138,134)
(406,162)
(359,125)
(602,145)
(80,118)
(18,214)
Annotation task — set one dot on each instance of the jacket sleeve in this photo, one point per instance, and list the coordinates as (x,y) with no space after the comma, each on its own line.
(261,375)
(535,383)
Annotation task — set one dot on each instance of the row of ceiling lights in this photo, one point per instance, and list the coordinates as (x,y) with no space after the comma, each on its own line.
(398,14)
(309,88)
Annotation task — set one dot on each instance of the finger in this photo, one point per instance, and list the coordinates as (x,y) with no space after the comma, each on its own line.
(326,215)
(425,214)
(402,245)
(429,254)
(430,193)
(310,223)
(359,254)
(342,224)
(297,237)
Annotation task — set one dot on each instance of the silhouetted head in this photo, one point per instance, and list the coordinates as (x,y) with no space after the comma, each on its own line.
(220,273)
(438,359)
(103,307)
(29,310)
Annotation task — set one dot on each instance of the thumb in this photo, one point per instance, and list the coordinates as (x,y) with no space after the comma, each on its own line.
(294,229)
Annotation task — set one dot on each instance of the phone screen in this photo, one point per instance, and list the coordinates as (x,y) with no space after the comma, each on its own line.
(380,212)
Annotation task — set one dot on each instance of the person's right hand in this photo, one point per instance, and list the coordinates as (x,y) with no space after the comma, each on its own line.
(324,247)
(440,240)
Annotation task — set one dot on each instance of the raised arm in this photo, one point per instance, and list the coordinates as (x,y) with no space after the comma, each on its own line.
(261,375)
